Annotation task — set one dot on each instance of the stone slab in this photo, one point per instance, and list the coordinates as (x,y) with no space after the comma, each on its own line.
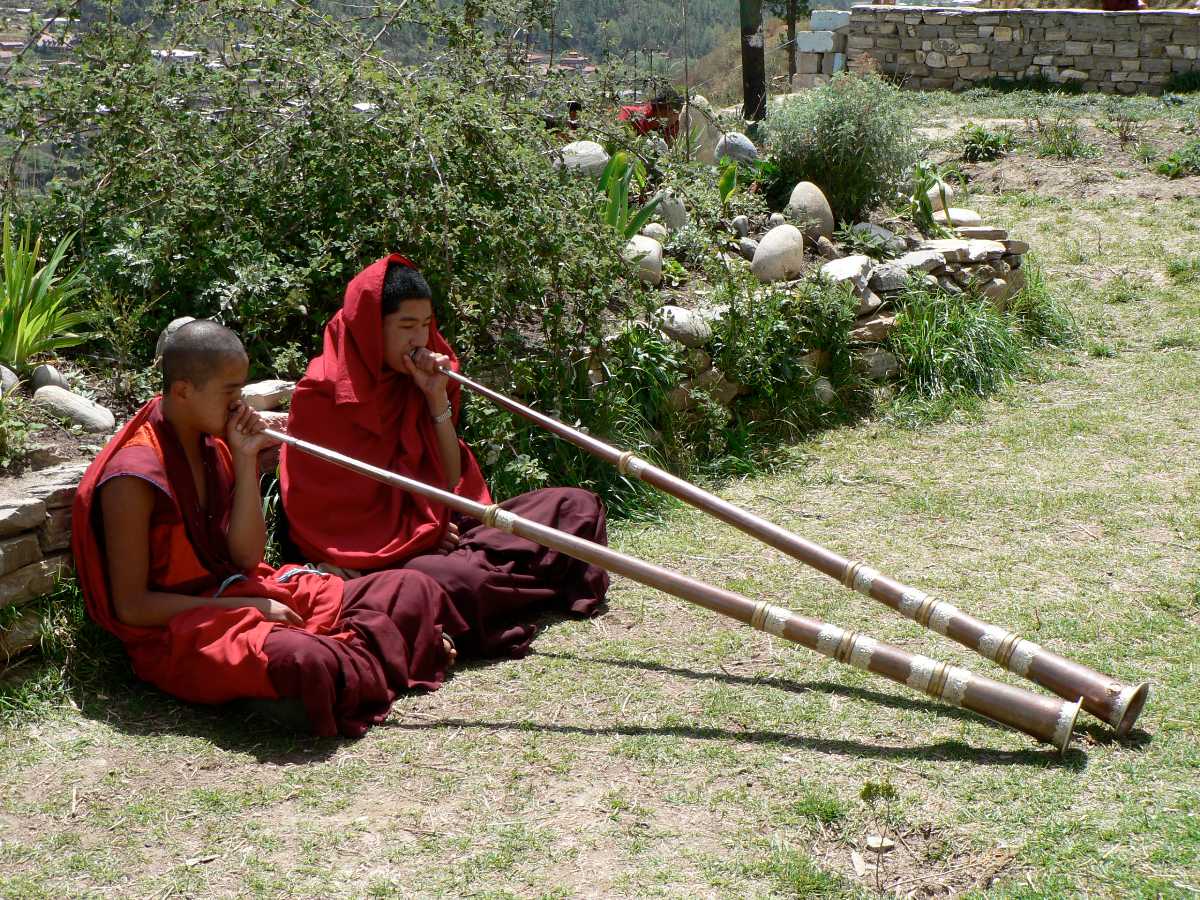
(32,581)
(18,552)
(18,514)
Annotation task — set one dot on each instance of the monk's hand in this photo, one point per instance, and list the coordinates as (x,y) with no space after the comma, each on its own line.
(422,366)
(243,432)
(450,539)
(274,611)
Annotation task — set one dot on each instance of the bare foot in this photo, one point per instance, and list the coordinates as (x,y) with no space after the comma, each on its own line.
(451,652)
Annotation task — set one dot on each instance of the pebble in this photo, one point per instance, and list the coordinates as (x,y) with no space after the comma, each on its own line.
(45,375)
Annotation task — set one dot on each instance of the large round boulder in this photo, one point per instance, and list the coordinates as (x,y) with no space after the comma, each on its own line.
(736,146)
(585,157)
(780,254)
(647,253)
(808,207)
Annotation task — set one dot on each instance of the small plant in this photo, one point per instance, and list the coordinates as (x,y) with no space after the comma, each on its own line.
(853,138)
(918,205)
(1123,125)
(1061,139)
(1122,290)
(1182,162)
(1042,317)
(727,184)
(34,302)
(980,144)
(1183,83)
(615,183)
(862,241)
(1184,269)
(1145,153)
(15,428)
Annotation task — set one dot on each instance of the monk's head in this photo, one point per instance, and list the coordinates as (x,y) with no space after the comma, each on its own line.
(407,306)
(204,370)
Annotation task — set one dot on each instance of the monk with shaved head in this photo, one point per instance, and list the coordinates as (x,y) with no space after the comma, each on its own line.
(169,539)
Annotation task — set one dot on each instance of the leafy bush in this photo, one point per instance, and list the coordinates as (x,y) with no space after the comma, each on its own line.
(853,138)
(1182,162)
(1184,269)
(35,302)
(861,241)
(1183,82)
(980,144)
(952,344)
(15,428)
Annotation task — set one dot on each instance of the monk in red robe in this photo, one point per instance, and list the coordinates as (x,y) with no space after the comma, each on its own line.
(375,393)
(168,543)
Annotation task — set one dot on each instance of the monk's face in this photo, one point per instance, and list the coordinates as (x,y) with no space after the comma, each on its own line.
(406,330)
(208,405)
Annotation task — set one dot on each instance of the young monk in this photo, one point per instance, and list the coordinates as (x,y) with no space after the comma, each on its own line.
(168,542)
(375,393)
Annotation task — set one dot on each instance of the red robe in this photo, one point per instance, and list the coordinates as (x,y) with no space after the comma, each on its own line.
(346,664)
(350,401)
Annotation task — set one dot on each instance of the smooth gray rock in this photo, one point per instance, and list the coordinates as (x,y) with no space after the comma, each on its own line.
(826,248)
(8,380)
(657,231)
(736,146)
(683,325)
(672,211)
(936,193)
(92,416)
(647,253)
(877,363)
(741,225)
(585,157)
(172,327)
(45,375)
(748,247)
(920,261)
(808,207)
(823,391)
(776,219)
(853,269)
(780,254)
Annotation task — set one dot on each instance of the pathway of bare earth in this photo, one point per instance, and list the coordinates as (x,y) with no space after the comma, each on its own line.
(662,751)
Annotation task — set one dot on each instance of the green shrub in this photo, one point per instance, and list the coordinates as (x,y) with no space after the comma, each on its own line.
(980,144)
(623,172)
(853,138)
(36,314)
(1043,318)
(1182,162)
(15,428)
(1184,269)
(1060,138)
(1183,83)
(861,241)
(952,344)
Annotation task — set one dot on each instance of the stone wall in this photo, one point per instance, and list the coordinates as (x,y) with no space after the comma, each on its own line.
(944,48)
(35,540)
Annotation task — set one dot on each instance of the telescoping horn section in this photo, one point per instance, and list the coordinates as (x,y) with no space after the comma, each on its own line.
(1045,718)
(1110,700)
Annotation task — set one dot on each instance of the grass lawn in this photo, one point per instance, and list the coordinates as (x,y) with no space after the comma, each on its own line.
(662,751)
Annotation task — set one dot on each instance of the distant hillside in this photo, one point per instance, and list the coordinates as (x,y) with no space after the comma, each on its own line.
(718,75)
(619,27)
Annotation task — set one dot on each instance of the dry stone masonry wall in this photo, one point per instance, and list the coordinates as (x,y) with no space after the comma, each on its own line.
(953,48)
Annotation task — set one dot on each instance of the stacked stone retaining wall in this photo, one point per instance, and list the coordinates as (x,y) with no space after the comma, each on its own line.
(932,47)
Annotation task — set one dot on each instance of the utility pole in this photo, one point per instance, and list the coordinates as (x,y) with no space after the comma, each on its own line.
(791,36)
(754,69)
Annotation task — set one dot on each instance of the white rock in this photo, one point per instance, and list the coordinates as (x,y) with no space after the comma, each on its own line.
(696,121)
(952,249)
(921,261)
(647,253)
(586,157)
(849,268)
(741,225)
(657,231)
(890,239)
(92,416)
(823,391)
(683,325)
(18,514)
(809,207)
(748,247)
(777,219)
(45,375)
(979,251)
(8,380)
(736,146)
(888,277)
(172,327)
(879,844)
(937,192)
(875,362)
(873,330)
(780,254)
(958,216)
(271,394)
(673,212)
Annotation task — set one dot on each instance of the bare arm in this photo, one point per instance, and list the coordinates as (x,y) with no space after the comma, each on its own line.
(447,437)
(127,504)
(247,534)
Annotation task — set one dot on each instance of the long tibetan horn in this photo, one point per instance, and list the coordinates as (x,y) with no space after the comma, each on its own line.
(1104,697)
(1041,717)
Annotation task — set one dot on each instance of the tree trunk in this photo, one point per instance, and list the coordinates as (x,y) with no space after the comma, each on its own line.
(754,70)
(791,33)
